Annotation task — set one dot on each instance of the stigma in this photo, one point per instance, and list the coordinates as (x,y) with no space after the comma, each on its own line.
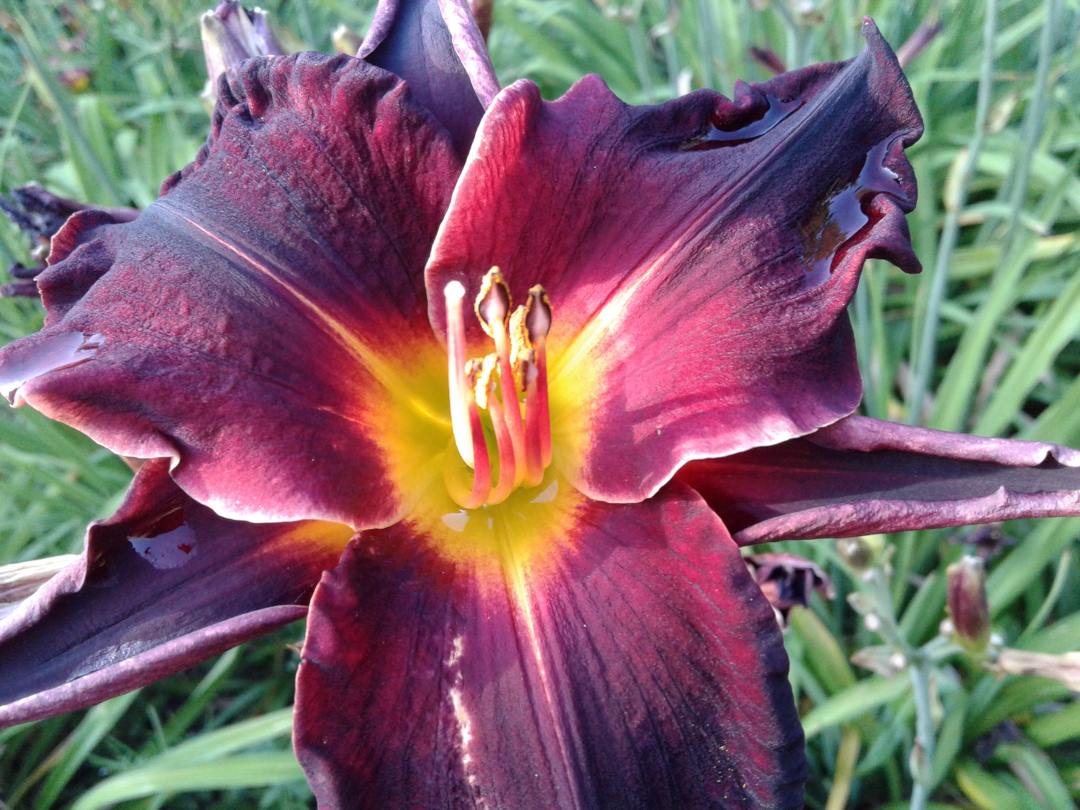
(507,386)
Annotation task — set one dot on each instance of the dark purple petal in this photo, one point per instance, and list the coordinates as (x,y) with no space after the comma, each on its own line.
(698,254)
(633,663)
(248,323)
(436,47)
(164,583)
(863,476)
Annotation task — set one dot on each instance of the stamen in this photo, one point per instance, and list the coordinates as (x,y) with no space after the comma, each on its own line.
(538,316)
(453,293)
(493,301)
(481,485)
(485,397)
(534,461)
(492,308)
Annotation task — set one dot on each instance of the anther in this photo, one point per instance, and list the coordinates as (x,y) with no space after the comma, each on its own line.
(454,293)
(493,302)
(538,317)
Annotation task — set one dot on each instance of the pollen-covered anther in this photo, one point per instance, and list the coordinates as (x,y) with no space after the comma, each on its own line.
(493,303)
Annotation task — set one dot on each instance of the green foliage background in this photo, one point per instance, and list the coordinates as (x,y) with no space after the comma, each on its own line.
(985,341)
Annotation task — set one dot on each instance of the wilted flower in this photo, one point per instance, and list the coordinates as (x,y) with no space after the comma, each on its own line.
(787,580)
(528,519)
(39,214)
(1064,668)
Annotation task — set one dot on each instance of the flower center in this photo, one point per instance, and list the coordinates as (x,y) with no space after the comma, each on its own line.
(486,394)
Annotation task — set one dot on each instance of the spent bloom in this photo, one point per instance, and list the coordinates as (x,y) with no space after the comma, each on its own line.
(492,389)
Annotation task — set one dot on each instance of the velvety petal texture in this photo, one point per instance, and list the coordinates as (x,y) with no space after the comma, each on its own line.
(163,584)
(437,48)
(633,664)
(698,254)
(862,476)
(241,325)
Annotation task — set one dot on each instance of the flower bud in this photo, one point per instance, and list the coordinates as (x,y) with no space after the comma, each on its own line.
(861,553)
(345,40)
(966,596)
(231,34)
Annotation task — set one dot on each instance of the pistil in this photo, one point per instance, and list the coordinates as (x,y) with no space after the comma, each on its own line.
(454,293)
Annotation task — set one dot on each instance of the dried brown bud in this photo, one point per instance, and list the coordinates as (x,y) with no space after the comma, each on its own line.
(966,595)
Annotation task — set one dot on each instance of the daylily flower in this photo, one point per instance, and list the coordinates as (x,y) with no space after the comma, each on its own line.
(528,518)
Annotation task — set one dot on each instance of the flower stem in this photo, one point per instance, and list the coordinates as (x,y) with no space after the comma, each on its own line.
(922,754)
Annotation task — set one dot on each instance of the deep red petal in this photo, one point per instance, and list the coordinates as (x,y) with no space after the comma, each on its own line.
(164,583)
(242,323)
(862,476)
(436,47)
(636,665)
(698,292)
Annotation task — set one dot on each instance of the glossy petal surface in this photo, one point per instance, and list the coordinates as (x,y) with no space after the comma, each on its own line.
(164,583)
(862,476)
(633,664)
(436,47)
(241,324)
(698,254)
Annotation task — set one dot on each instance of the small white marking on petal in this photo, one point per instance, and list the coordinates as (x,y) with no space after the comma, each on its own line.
(549,493)
(456,520)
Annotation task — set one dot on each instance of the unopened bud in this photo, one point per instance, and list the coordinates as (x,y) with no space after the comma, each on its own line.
(966,596)
(483,11)
(231,34)
(861,553)
(345,40)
